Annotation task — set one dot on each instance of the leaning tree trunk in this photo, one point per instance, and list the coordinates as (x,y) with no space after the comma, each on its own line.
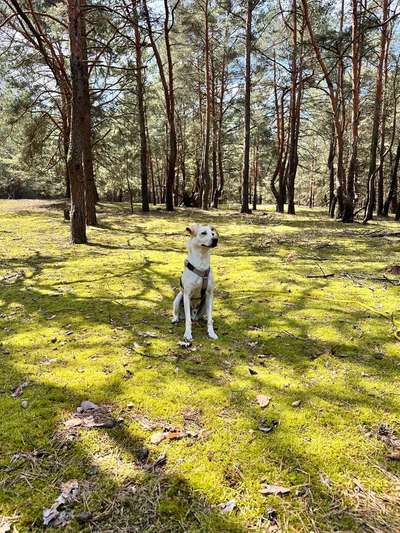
(247,113)
(75,168)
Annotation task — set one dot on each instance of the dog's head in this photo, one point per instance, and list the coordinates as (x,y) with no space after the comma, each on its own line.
(203,236)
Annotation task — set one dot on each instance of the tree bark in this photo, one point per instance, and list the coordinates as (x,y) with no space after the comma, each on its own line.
(205,171)
(75,168)
(91,196)
(247,112)
(169,96)
(141,111)
(348,199)
(372,171)
(393,183)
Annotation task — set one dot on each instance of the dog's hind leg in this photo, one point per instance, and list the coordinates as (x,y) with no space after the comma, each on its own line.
(176,307)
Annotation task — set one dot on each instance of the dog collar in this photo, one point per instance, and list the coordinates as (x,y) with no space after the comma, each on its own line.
(200,273)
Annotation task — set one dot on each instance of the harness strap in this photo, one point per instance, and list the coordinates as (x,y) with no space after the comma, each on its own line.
(202,274)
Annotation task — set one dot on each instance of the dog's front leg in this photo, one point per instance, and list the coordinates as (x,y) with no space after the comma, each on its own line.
(188,318)
(209,306)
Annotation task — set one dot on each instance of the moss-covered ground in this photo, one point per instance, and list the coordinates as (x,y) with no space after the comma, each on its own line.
(74,324)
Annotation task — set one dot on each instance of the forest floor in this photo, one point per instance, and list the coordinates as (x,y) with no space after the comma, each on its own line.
(93,323)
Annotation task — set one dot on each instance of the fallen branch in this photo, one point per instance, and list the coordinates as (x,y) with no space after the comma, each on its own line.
(316,276)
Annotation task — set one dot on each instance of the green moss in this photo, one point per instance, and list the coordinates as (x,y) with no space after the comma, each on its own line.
(71,324)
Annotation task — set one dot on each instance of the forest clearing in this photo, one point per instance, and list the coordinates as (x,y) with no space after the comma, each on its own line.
(300,394)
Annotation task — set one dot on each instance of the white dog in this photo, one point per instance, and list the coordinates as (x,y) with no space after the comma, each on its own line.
(197,281)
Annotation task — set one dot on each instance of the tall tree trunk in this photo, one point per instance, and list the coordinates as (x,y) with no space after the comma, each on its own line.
(205,171)
(293,117)
(393,182)
(372,170)
(331,169)
(91,195)
(220,153)
(75,168)
(247,112)
(141,111)
(214,143)
(169,96)
(336,112)
(348,199)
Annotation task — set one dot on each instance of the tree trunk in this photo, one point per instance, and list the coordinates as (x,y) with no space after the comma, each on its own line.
(169,96)
(205,171)
(331,169)
(348,200)
(372,171)
(75,168)
(393,183)
(247,112)
(141,111)
(293,117)
(91,195)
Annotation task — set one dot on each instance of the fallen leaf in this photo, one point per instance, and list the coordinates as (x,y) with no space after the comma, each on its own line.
(160,461)
(262,400)
(252,372)
(277,490)
(17,391)
(86,405)
(296,403)
(100,417)
(227,507)
(269,428)
(158,437)
(325,480)
(394,270)
(53,516)
(394,456)
(184,344)
(5,524)
(150,334)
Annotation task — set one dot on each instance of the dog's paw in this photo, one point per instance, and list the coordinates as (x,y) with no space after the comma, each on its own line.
(213,335)
(188,336)
(175,320)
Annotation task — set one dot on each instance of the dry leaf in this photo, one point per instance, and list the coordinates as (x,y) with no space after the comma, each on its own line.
(297,403)
(158,437)
(395,455)
(5,524)
(262,400)
(227,507)
(17,391)
(277,490)
(88,406)
(53,516)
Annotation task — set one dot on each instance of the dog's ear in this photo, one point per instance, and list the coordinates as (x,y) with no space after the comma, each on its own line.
(192,229)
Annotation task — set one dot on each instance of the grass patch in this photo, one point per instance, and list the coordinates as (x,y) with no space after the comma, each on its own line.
(72,321)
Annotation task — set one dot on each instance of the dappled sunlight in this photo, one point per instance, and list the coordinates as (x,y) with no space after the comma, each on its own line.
(94,324)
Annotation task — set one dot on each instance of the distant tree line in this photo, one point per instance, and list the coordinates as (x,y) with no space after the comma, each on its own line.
(194,103)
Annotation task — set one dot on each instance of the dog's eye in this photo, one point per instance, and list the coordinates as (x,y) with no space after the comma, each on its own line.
(203,233)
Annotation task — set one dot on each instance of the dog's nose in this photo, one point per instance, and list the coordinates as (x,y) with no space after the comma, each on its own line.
(214,241)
